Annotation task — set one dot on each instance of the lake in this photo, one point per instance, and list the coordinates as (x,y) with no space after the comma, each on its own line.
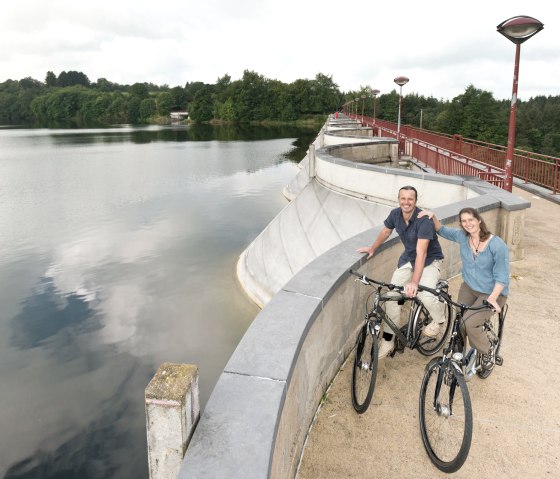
(118,253)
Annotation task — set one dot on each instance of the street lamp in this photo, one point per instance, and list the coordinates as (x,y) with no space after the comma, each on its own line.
(400,81)
(363,98)
(517,29)
(356,104)
(374,93)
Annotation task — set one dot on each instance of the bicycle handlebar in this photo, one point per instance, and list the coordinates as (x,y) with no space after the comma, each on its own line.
(438,293)
(365,280)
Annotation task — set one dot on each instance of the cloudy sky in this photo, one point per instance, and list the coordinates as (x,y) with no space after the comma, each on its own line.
(441,45)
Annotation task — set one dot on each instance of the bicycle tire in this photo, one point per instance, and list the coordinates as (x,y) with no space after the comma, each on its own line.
(485,373)
(428,346)
(445,416)
(364,372)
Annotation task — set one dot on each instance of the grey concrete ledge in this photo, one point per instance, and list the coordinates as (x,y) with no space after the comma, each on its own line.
(257,418)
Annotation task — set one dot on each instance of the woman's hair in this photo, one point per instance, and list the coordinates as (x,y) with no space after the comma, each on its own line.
(484,232)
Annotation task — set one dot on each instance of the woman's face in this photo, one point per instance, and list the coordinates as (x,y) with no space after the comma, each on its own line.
(470,224)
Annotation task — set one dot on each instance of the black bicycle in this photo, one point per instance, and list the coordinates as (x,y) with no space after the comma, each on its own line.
(364,372)
(445,410)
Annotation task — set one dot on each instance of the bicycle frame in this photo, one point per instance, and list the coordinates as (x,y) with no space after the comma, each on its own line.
(404,339)
(409,339)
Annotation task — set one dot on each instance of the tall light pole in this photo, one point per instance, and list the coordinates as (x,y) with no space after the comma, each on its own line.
(400,81)
(363,99)
(517,29)
(374,92)
(356,103)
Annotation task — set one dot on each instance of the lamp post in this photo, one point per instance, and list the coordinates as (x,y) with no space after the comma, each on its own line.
(400,81)
(374,93)
(363,99)
(356,104)
(517,29)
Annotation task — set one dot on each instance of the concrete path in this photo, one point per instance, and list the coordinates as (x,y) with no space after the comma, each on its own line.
(516,411)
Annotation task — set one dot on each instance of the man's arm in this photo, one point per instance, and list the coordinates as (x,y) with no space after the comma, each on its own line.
(421,252)
(381,238)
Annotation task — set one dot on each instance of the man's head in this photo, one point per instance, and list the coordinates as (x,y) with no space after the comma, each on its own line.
(407,199)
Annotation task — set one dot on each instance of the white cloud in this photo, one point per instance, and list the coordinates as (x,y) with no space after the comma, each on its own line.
(442,47)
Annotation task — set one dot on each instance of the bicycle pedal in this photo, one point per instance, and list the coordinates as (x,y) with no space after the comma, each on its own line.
(499,360)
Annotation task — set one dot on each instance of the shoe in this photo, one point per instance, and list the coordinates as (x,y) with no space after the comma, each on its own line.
(486,361)
(431,330)
(385,347)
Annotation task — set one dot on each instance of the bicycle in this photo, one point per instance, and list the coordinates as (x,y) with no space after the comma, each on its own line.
(445,409)
(364,372)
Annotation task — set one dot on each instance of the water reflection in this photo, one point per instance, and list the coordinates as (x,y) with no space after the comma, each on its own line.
(117,256)
(44,314)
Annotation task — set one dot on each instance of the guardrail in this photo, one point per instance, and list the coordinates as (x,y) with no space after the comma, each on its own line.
(542,170)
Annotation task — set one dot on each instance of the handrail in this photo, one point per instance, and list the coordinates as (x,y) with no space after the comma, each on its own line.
(482,159)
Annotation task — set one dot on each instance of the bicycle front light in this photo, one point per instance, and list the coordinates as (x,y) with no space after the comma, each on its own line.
(457,356)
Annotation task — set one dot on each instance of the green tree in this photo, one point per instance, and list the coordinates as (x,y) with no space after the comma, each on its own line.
(178,98)
(147,108)
(50,79)
(72,78)
(139,90)
(133,109)
(164,102)
(201,108)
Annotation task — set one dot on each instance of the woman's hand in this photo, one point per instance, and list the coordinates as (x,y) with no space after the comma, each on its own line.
(428,213)
(494,304)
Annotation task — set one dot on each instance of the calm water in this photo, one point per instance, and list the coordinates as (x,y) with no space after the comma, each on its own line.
(117,253)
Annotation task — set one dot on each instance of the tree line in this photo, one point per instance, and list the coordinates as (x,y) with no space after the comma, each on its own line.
(72,97)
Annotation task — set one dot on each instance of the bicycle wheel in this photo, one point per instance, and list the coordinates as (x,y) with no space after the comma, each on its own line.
(430,345)
(445,416)
(364,372)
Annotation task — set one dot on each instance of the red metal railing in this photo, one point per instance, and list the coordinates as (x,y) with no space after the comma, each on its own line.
(472,157)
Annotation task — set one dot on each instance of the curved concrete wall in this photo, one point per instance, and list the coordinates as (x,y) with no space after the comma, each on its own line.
(257,418)
(348,195)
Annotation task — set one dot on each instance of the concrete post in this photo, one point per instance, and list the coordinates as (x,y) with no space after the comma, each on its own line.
(311,161)
(394,153)
(172,411)
(511,231)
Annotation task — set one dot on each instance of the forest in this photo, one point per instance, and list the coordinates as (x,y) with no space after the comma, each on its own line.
(72,99)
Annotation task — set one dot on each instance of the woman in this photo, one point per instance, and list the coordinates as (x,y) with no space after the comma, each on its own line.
(485,272)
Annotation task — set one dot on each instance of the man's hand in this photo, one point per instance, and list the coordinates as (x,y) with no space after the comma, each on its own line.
(368,250)
(411,289)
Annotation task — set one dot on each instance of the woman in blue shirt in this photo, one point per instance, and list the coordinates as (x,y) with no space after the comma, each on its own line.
(485,272)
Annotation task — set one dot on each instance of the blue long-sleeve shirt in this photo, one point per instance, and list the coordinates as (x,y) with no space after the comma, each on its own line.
(483,271)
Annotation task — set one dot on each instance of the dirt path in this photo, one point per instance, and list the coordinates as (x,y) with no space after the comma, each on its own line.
(516,411)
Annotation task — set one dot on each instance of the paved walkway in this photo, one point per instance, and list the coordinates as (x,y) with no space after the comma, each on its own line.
(516,411)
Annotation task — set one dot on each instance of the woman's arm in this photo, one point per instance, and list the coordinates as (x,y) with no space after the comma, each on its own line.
(498,288)
(432,216)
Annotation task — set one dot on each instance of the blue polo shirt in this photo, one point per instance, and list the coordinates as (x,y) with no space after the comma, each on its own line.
(417,228)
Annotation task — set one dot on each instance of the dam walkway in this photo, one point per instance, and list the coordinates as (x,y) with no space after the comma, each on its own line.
(516,410)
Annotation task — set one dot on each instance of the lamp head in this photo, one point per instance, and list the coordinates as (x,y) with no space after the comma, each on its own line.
(401,81)
(519,29)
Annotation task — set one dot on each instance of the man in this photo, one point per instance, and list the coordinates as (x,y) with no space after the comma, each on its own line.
(420,263)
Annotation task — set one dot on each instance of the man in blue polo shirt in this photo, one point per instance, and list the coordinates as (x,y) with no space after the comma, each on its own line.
(420,263)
